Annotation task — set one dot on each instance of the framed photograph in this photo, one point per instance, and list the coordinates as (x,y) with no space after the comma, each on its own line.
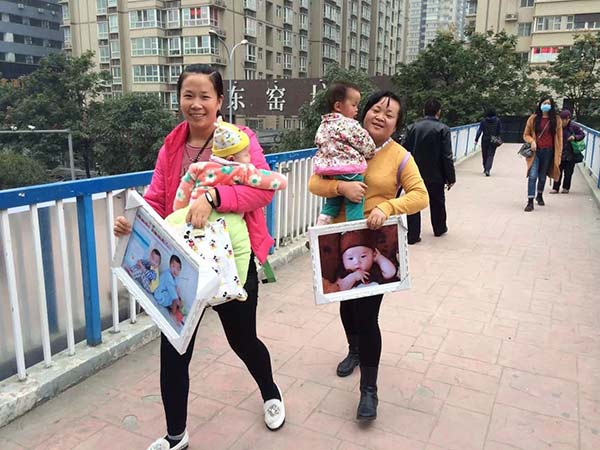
(164,274)
(351,261)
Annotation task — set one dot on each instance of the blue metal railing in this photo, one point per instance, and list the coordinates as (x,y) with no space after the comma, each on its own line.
(592,144)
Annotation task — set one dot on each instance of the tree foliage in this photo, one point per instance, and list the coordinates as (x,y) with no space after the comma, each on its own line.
(467,76)
(55,96)
(17,170)
(310,113)
(576,74)
(128,132)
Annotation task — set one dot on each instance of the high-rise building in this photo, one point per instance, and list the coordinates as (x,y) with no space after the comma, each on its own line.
(425,18)
(543,27)
(29,30)
(146,43)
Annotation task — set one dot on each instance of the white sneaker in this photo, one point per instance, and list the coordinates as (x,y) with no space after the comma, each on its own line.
(274,413)
(163,444)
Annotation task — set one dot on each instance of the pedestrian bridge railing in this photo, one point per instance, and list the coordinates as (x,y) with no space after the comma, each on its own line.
(592,145)
(55,280)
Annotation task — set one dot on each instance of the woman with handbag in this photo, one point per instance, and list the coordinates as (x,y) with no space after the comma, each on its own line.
(543,133)
(571,133)
(490,127)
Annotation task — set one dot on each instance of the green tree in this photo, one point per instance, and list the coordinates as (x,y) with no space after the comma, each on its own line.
(467,76)
(128,132)
(310,113)
(55,96)
(576,74)
(17,170)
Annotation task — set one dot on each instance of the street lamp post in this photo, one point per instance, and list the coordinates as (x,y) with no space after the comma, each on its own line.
(33,130)
(229,68)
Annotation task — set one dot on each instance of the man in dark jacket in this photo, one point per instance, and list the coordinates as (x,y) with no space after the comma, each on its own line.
(429,142)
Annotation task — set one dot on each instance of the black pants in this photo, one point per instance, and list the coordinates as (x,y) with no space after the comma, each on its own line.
(360,318)
(488,151)
(566,168)
(437,208)
(239,322)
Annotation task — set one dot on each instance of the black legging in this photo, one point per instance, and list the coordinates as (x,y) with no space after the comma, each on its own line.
(360,318)
(239,322)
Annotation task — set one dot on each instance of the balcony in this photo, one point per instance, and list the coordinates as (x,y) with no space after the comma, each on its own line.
(513,17)
(250,4)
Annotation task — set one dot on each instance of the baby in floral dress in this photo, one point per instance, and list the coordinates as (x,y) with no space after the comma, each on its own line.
(343,147)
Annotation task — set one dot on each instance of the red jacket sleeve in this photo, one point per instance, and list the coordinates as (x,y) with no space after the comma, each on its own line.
(156,193)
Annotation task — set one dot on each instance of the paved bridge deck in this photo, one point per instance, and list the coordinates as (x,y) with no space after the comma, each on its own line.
(496,347)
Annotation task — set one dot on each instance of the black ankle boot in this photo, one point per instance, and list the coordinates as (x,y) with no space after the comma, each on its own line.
(367,406)
(540,199)
(529,206)
(347,365)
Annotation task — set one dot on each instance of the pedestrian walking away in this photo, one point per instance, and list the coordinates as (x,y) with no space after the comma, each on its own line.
(571,133)
(490,130)
(391,165)
(200,93)
(430,144)
(544,133)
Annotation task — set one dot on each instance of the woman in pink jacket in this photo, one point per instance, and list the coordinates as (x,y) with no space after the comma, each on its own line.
(200,93)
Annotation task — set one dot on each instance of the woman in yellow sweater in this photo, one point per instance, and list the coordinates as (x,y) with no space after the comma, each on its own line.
(392,167)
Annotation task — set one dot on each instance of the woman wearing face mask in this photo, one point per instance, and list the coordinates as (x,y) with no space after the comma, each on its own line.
(571,132)
(392,164)
(544,133)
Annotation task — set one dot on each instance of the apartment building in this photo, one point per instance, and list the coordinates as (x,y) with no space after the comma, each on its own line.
(543,27)
(424,18)
(146,43)
(29,30)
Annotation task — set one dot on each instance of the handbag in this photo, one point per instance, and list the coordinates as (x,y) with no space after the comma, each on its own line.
(525,150)
(578,146)
(496,140)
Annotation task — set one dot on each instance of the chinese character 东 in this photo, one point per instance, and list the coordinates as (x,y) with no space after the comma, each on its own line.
(236,98)
(275,98)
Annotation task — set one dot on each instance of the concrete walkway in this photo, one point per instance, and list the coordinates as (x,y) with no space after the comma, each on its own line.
(496,347)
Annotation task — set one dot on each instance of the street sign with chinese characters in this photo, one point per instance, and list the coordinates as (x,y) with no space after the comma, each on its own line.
(279,96)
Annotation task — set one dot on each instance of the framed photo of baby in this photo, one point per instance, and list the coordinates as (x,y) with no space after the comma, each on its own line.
(351,261)
(165,276)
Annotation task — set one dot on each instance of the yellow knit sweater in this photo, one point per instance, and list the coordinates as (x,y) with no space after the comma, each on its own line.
(380,178)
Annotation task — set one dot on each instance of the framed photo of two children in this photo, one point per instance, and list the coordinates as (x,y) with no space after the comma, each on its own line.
(351,261)
(165,276)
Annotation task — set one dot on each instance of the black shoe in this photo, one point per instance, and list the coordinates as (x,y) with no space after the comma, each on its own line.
(414,241)
(540,199)
(347,365)
(529,206)
(441,233)
(487,173)
(367,405)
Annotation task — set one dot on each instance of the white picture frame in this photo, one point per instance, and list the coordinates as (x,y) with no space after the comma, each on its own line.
(146,262)
(331,274)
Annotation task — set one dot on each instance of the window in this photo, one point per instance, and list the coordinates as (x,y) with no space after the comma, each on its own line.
(116,73)
(102,30)
(304,21)
(147,18)
(278,58)
(203,15)
(287,61)
(303,43)
(544,54)
(148,46)
(174,72)
(104,54)
(586,21)
(527,3)
(173,18)
(278,11)
(115,49)
(67,36)
(175,46)
(287,38)
(250,26)
(250,74)
(302,63)
(200,45)
(66,13)
(288,15)
(112,3)
(174,101)
(150,74)
(524,29)
(101,6)
(570,22)
(113,23)
(251,53)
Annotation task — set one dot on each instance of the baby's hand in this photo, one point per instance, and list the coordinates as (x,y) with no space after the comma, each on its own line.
(139,264)
(361,275)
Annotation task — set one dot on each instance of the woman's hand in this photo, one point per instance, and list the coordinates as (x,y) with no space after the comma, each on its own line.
(376,219)
(199,211)
(571,138)
(533,146)
(121,227)
(352,190)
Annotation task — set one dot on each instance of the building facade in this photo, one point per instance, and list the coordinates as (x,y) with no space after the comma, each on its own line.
(543,27)
(424,18)
(146,43)
(29,30)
